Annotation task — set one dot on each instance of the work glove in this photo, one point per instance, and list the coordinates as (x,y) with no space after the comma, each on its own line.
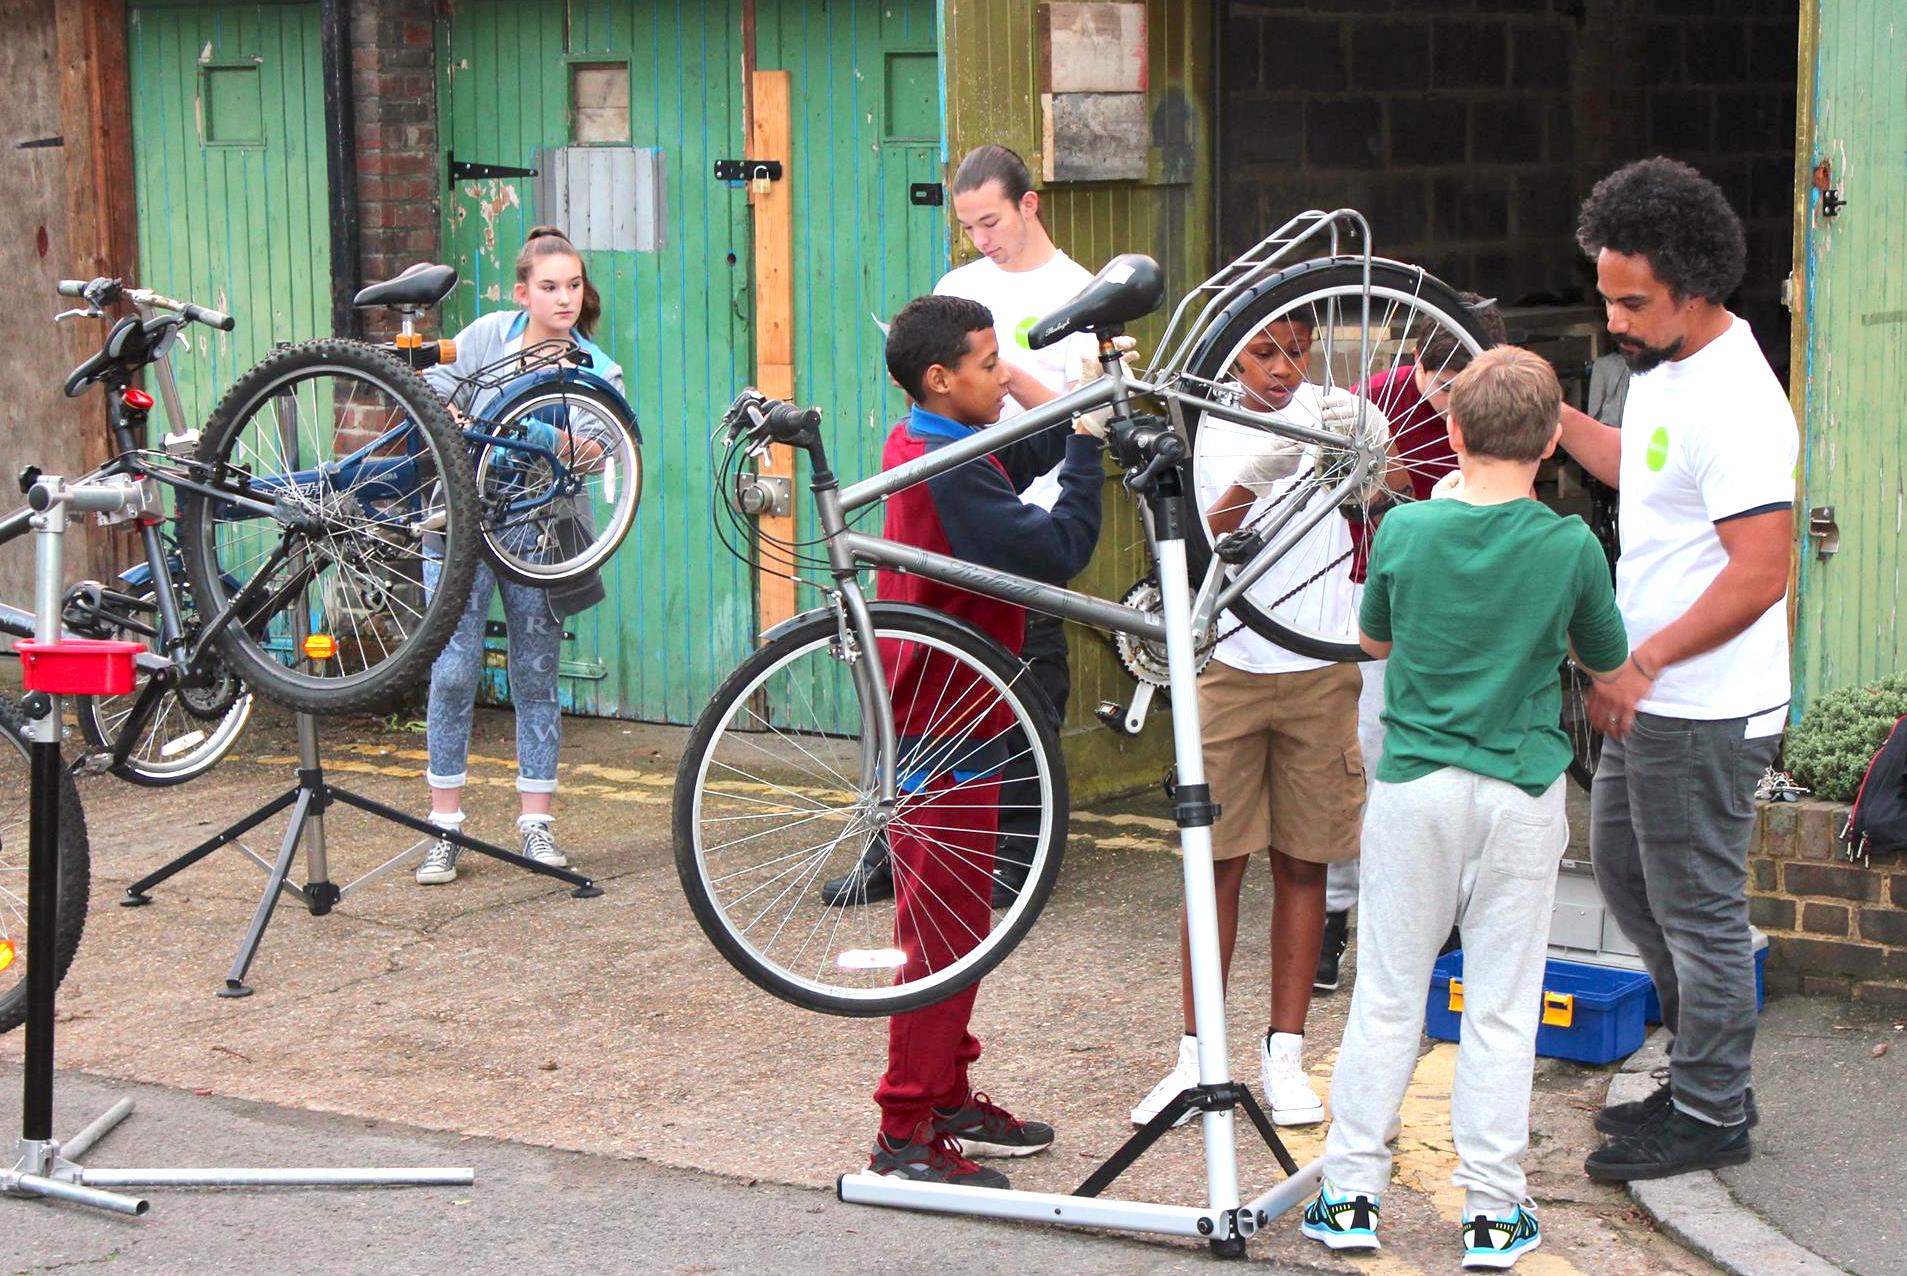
(1339,410)
(1449,485)
(1268,458)
(1089,369)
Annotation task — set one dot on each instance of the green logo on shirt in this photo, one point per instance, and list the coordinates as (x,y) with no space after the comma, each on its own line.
(1025,326)
(1658,454)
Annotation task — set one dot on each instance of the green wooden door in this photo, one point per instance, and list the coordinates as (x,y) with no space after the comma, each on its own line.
(628,93)
(1849,625)
(229,172)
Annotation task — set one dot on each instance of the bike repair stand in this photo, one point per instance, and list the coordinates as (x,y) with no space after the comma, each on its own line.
(1224,1222)
(54,667)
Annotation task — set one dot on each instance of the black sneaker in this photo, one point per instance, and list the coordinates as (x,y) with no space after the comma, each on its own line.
(931,1158)
(1674,1143)
(1009,882)
(869,882)
(1623,1119)
(1337,937)
(984,1128)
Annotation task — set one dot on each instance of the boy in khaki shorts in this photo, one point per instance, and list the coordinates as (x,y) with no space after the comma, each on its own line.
(1281,753)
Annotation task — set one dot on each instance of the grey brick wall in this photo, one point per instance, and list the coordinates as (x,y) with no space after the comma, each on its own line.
(1469,137)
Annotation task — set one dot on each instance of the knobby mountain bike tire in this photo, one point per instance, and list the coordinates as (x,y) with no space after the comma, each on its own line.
(1289,605)
(774,794)
(366,474)
(75,868)
(534,535)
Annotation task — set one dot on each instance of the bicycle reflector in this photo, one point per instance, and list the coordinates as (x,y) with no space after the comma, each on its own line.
(6,953)
(871,959)
(320,646)
(137,400)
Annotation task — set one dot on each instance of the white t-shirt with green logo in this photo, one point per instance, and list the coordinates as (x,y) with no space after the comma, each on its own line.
(1018,299)
(1704,440)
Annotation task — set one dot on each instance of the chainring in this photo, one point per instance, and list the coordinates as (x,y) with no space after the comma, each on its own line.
(1143,659)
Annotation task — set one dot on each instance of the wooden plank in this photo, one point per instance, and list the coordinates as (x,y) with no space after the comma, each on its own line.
(769,138)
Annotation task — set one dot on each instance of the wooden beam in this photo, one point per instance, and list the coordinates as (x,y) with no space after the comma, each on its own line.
(769,138)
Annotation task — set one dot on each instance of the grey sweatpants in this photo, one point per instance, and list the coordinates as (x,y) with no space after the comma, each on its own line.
(1340,880)
(1451,846)
(1670,818)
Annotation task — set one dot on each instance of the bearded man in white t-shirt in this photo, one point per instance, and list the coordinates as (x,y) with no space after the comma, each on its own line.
(1704,462)
(1021,276)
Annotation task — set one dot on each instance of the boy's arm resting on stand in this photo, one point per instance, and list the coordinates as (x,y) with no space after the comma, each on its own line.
(1596,447)
(986,522)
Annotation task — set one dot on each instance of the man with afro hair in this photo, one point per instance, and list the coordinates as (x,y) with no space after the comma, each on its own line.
(1705,464)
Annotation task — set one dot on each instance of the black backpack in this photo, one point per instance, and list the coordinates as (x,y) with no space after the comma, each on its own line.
(1877,824)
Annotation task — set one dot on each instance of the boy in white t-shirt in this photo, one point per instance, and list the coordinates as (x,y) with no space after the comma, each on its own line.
(1705,463)
(1280,729)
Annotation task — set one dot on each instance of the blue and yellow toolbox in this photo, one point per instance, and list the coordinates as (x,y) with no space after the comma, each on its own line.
(1592,1014)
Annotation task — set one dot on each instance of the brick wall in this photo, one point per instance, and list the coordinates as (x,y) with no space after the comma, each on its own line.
(1470,137)
(394,83)
(1833,926)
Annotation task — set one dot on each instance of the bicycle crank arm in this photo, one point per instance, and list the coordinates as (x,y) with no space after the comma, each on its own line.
(1131,719)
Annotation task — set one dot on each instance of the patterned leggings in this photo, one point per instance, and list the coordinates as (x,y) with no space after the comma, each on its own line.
(536,636)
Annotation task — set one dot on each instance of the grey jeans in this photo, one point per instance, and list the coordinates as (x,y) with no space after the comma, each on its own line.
(1671,815)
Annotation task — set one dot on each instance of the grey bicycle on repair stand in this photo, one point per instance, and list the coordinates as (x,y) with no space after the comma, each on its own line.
(798,764)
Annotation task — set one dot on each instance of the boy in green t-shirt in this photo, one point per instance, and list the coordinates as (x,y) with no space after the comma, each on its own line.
(1475,600)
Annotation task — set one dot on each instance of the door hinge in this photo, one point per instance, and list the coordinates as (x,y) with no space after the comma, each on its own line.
(1824,531)
(461,170)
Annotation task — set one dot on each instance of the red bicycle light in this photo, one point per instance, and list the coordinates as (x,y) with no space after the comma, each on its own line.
(138,400)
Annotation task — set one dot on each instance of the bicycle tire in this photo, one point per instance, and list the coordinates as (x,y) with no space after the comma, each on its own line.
(365,540)
(614,515)
(725,772)
(75,876)
(1309,288)
(163,759)
(1585,742)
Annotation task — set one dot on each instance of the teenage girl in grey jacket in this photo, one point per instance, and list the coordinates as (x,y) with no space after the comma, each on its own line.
(556,301)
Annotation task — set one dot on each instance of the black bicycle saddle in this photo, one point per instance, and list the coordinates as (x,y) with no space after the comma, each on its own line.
(1130,287)
(421,285)
(127,346)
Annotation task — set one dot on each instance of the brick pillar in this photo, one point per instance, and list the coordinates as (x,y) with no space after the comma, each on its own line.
(394,79)
(1834,926)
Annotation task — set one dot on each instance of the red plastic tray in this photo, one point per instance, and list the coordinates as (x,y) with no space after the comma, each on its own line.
(78,666)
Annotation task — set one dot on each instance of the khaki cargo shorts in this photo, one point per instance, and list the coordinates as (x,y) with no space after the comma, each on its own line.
(1282,760)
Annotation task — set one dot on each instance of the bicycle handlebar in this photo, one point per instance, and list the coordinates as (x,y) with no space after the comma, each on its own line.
(103,292)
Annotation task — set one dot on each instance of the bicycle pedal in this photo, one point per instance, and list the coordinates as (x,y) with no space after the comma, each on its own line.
(93,764)
(1235,548)
(1113,715)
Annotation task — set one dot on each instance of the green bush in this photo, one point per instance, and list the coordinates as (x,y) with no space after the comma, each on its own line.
(1830,749)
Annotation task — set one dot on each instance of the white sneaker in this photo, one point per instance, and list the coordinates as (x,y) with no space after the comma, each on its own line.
(539,843)
(1288,1091)
(440,863)
(1183,1077)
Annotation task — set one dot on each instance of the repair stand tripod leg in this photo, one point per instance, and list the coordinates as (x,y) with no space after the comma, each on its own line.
(44,1169)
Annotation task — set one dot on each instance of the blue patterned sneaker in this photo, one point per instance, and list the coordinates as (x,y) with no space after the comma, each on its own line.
(1498,1240)
(1341,1220)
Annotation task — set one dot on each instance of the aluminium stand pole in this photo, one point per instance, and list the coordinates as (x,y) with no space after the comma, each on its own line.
(1223,1222)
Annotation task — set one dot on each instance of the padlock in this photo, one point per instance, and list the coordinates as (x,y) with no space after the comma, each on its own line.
(760,183)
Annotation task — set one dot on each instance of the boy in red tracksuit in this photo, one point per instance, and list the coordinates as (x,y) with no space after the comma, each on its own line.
(943,353)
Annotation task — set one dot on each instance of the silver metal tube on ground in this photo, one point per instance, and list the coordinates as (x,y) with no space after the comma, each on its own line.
(450,1176)
(867,1188)
(60,1190)
(1201,901)
(82,1143)
(1291,1193)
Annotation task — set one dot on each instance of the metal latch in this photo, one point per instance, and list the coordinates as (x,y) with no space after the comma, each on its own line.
(757,494)
(1831,201)
(1824,531)
(926,194)
(756,174)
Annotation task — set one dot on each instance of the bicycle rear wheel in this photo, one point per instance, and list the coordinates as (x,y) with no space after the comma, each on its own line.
(1307,601)
(776,794)
(75,875)
(1585,742)
(176,733)
(548,522)
(340,467)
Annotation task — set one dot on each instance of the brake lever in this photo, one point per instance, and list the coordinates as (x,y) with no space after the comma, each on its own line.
(89,312)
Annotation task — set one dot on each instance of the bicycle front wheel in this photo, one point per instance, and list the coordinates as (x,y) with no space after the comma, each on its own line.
(337,469)
(778,793)
(75,874)
(549,519)
(1399,352)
